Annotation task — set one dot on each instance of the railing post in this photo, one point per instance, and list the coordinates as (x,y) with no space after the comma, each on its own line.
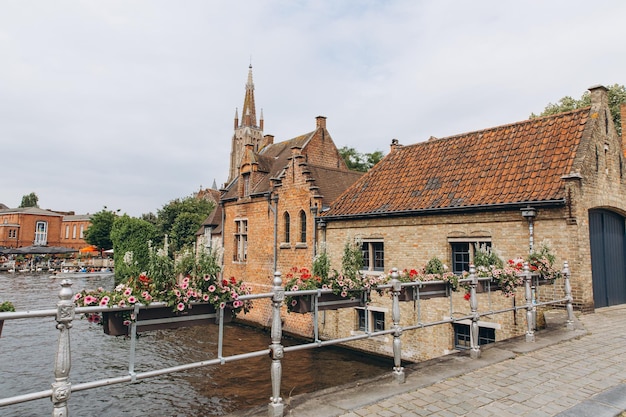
(61,388)
(276,406)
(530,332)
(475,347)
(568,297)
(398,370)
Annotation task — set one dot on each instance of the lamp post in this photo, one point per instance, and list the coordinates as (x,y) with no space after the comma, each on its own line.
(529,214)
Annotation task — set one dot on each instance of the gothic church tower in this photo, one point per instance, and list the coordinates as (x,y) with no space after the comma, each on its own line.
(246,132)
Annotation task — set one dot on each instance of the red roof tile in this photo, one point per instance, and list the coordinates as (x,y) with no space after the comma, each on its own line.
(515,163)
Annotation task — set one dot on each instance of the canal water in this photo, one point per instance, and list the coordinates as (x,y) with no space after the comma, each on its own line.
(28,347)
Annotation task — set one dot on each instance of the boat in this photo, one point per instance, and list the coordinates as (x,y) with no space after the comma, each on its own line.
(78,274)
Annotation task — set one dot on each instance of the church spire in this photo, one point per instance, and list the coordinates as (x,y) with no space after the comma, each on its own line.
(247,131)
(249,111)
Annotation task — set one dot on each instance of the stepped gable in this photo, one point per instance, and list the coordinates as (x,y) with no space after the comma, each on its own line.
(270,163)
(515,163)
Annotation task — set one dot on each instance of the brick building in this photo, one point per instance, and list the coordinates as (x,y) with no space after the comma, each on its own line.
(270,203)
(557,178)
(28,226)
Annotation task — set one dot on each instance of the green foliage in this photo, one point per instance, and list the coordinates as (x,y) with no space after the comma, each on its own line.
(7,306)
(99,231)
(352,259)
(130,237)
(160,267)
(321,265)
(181,218)
(434,266)
(486,257)
(30,200)
(616,96)
(357,161)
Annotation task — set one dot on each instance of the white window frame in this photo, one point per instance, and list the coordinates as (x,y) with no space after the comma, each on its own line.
(41,233)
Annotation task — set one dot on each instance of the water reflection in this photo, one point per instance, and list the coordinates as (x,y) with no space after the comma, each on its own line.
(27,349)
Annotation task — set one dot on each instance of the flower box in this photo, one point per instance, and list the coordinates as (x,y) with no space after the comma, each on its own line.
(433,291)
(164,318)
(305,303)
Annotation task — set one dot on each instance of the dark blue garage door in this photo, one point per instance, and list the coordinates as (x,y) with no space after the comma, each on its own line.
(608,265)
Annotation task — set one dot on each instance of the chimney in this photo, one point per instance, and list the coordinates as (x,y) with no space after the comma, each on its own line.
(395,145)
(599,96)
(267,140)
(321,122)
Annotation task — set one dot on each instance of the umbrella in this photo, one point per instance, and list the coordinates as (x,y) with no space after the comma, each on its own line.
(89,249)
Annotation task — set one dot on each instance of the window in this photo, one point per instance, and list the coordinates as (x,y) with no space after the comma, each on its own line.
(287,225)
(463,254)
(74,232)
(241,241)
(373,255)
(375,320)
(246,185)
(12,233)
(82,231)
(67,232)
(41,233)
(207,236)
(302,226)
(486,335)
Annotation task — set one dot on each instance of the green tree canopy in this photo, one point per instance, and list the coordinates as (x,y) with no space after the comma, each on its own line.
(617,96)
(30,200)
(131,237)
(180,219)
(358,161)
(99,232)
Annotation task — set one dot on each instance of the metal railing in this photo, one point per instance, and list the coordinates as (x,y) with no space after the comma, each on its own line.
(66,310)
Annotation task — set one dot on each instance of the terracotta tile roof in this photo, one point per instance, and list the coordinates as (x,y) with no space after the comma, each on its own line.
(515,163)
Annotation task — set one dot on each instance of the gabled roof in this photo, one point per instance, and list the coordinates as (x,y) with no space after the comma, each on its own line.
(512,164)
(271,160)
(30,210)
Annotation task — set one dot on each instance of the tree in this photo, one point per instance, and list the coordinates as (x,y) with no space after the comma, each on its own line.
(181,218)
(99,232)
(131,239)
(357,161)
(617,96)
(30,200)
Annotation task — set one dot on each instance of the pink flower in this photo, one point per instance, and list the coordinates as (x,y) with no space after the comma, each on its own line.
(77,296)
(212,288)
(344,293)
(126,322)
(132,299)
(146,295)
(207,277)
(222,304)
(205,297)
(104,302)
(90,299)
(184,285)
(294,288)
(128,292)
(180,307)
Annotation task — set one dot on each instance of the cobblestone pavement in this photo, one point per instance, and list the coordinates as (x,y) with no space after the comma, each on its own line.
(579,377)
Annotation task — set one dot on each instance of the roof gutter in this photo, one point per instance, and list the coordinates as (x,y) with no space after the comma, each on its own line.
(447,210)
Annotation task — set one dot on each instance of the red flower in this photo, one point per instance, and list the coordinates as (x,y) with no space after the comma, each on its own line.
(233,280)
(467,296)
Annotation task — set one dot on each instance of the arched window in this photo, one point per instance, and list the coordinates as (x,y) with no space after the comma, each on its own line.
(287,224)
(302,226)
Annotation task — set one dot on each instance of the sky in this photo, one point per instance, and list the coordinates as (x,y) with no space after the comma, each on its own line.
(129,104)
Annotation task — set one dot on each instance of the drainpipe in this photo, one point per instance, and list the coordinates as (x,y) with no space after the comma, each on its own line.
(314,214)
(274,199)
(529,214)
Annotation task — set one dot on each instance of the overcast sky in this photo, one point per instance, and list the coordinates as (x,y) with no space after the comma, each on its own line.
(130,104)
